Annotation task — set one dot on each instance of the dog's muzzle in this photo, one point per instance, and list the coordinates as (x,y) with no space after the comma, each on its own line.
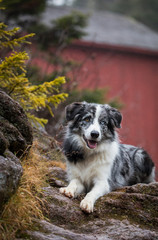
(92,143)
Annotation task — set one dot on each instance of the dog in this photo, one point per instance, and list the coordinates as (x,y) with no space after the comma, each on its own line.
(97,163)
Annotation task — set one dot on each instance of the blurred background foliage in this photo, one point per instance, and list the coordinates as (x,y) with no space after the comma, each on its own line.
(144,11)
(14,8)
(62,31)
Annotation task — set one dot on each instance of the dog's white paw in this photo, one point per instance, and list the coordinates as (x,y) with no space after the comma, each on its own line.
(87,205)
(67,191)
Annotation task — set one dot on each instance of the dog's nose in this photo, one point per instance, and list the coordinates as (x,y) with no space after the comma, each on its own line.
(94,134)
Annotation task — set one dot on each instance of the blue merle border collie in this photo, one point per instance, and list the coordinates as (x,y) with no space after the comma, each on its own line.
(96,162)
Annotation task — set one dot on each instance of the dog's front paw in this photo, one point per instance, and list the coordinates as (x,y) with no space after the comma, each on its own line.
(67,191)
(87,205)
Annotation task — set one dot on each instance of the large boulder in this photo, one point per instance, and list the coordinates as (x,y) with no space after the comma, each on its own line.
(16,136)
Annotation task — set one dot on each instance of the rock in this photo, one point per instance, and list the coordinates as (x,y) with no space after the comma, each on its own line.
(114,230)
(56,173)
(10,174)
(13,113)
(3,143)
(130,213)
(16,136)
(13,138)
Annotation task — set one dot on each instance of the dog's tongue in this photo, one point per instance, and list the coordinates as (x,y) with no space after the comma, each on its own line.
(92,144)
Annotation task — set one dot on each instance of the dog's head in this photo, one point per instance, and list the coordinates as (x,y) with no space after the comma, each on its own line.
(94,123)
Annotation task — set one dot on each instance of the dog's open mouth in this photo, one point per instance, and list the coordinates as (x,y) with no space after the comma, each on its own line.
(92,144)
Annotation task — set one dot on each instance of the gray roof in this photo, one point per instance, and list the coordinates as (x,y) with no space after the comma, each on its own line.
(110,28)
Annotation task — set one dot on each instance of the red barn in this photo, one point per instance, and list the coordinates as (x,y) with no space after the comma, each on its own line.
(121,54)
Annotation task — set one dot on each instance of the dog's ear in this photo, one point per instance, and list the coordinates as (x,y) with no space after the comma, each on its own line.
(73,109)
(115,117)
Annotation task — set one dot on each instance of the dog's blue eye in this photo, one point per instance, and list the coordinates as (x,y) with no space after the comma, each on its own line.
(102,122)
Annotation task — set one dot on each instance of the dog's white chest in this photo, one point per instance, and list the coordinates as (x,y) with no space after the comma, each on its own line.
(93,168)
